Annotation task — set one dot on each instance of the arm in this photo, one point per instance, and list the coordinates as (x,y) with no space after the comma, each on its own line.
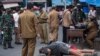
(12,21)
(44,16)
(49,52)
(89,14)
(19,26)
(36,21)
(69,18)
(87,51)
(90,24)
(80,52)
(94,13)
(1,22)
(48,20)
(75,52)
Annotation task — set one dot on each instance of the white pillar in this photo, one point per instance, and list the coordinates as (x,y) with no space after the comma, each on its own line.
(26,2)
(64,1)
(65,4)
(46,6)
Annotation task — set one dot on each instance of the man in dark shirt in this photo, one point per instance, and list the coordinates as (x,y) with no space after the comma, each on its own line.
(60,48)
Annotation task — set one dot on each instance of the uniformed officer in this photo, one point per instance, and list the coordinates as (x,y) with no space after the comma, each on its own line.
(92,32)
(27,27)
(7,25)
(66,22)
(53,24)
(43,26)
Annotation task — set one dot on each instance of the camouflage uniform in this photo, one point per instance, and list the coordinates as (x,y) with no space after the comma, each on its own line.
(1,38)
(7,26)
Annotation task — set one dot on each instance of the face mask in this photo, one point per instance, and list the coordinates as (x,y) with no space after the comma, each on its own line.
(37,13)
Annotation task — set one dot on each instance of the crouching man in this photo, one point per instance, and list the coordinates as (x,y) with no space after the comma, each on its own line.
(60,49)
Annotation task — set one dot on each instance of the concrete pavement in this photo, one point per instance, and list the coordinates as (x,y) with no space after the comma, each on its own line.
(17,48)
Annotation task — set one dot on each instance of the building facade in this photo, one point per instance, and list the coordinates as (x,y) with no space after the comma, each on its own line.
(36,0)
(14,3)
(11,1)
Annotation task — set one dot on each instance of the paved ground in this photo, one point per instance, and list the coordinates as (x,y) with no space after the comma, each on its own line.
(17,48)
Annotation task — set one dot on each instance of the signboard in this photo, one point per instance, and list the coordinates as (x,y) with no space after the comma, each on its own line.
(22,0)
(37,1)
(10,5)
(60,2)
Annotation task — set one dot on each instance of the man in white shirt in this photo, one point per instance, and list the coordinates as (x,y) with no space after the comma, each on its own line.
(16,18)
(92,12)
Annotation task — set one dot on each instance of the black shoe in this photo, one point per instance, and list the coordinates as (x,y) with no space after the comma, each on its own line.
(50,42)
(11,47)
(5,48)
(18,43)
(44,42)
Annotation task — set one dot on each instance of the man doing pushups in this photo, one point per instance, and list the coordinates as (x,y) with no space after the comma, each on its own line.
(60,48)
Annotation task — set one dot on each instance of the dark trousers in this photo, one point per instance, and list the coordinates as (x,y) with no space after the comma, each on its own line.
(65,38)
(17,38)
(5,43)
(7,37)
(1,38)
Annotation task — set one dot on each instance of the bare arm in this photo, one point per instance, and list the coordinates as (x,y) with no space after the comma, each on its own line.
(49,52)
(75,52)
(19,26)
(44,16)
(87,51)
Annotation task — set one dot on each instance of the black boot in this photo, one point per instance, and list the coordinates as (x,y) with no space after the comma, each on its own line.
(9,45)
(50,42)
(18,43)
(4,45)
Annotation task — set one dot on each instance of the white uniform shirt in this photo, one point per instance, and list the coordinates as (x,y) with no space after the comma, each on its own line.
(92,13)
(16,18)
